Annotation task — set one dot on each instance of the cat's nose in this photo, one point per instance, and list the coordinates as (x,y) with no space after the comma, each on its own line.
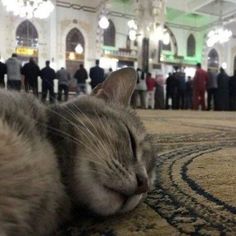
(142,184)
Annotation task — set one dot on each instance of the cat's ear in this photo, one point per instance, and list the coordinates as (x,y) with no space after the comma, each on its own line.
(118,87)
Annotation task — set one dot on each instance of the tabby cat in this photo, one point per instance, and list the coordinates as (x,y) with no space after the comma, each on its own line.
(91,152)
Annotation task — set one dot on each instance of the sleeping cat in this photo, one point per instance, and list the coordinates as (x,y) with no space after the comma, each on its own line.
(91,152)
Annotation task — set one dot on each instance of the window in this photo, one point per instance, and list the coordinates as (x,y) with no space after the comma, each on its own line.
(213,59)
(26,35)
(191,46)
(110,35)
(74,37)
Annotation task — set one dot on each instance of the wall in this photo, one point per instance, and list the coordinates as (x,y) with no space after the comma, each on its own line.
(53,31)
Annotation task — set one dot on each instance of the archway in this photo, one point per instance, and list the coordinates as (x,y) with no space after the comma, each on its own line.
(74,57)
(191,46)
(26,41)
(213,60)
(109,36)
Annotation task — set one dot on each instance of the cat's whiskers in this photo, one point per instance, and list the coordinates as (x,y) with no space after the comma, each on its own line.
(89,135)
(101,147)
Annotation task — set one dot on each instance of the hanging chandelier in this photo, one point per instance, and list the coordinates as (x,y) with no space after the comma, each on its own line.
(29,8)
(218,35)
(103,20)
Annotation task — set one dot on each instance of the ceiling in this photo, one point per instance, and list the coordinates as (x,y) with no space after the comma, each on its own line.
(200,13)
(195,14)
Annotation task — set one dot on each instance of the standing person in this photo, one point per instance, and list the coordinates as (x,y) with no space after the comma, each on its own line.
(181,86)
(109,72)
(170,88)
(159,92)
(96,74)
(3,71)
(31,72)
(13,73)
(211,89)
(81,76)
(151,84)
(141,89)
(232,92)
(48,75)
(189,93)
(63,77)
(134,97)
(222,92)
(199,87)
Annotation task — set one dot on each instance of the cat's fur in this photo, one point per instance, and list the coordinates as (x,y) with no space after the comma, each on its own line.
(91,151)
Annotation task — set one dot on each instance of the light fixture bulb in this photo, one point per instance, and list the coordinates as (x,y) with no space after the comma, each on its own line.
(79,49)
(28,8)
(103,22)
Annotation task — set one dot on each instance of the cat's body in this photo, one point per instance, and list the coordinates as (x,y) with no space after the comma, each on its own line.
(92,151)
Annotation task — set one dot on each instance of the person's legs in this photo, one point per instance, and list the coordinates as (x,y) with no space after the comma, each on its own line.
(51,94)
(26,83)
(66,92)
(195,100)
(59,92)
(44,92)
(34,87)
(202,99)
(2,83)
(143,99)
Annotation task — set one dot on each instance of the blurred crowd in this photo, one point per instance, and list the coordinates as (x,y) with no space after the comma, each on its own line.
(206,90)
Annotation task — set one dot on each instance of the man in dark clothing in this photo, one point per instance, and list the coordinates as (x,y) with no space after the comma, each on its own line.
(81,75)
(31,72)
(181,86)
(232,92)
(222,92)
(47,75)
(97,75)
(171,86)
(189,93)
(211,89)
(3,71)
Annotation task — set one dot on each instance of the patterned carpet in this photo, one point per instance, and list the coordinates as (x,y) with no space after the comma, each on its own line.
(195,190)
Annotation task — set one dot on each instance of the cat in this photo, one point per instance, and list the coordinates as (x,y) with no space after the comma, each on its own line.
(92,151)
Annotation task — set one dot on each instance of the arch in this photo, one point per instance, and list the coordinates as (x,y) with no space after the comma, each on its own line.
(191,46)
(73,59)
(73,38)
(213,59)
(109,36)
(172,46)
(27,35)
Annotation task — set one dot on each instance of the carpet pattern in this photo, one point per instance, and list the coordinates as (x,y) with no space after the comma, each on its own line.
(195,189)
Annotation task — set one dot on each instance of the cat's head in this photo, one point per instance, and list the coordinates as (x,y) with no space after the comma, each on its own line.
(115,167)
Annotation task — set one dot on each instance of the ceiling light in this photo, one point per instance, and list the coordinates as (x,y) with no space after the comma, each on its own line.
(79,49)
(28,8)
(103,22)
(132,24)
(218,35)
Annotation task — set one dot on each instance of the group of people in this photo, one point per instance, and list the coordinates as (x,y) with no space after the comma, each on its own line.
(149,91)
(181,92)
(206,90)
(29,73)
